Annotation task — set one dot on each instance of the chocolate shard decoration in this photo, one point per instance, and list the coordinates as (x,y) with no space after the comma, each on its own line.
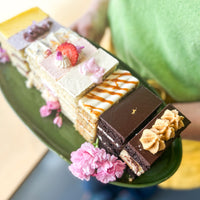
(136,156)
(119,124)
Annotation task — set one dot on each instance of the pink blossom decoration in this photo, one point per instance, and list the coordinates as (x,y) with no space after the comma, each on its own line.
(90,67)
(84,161)
(45,111)
(90,161)
(58,121)
(98,76)
(59,55)
(53,105)
(79,48)
(110,169)
(3,56)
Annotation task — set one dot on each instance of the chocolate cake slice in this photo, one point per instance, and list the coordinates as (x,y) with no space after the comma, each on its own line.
(119,124)
(150,142)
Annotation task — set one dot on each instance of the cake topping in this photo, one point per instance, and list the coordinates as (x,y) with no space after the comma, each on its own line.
(47,53)
(90,67)
(175,120)
(59,56)
(160,126)
(79,48)
(70,51)
(34,31)
(133,111)
(62,61)
(151,141)
(162,130)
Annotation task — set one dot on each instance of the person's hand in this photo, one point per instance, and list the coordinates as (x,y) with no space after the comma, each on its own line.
(93,23)
(192,111)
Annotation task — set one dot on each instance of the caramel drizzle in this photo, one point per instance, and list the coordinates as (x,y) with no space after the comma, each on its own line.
(107,85)
(117,80)
(114,87)
(106,91)
(92,109)
(93,96)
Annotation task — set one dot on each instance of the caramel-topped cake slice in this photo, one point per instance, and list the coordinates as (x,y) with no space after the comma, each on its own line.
(101,98)
(150,142)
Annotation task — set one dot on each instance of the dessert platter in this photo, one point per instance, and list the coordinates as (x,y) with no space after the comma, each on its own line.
(72,94)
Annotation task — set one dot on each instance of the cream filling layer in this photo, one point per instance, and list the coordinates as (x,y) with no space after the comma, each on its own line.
(110,138)
(134,165)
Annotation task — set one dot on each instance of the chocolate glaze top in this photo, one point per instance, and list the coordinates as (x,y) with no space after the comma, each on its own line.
(130,113)
(135,146)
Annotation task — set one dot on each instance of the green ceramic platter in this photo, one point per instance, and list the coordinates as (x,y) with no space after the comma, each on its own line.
(64,140)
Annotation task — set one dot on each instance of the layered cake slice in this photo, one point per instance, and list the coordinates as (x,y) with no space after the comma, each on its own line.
(150,142)
(20,31)
(43,51)
(100,98)
(68,66)
(122,121)
(74,84)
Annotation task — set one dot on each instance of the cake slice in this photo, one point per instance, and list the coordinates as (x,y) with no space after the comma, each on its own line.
(64,79)
(20,31)
(101,98)
(74,85)
(122,121)
(150,142)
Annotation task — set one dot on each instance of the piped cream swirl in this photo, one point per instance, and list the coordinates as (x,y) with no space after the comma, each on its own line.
(154,139)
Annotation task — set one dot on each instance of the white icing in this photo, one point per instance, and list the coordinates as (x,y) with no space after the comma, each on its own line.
(108,136)
(77,84)
(64,63)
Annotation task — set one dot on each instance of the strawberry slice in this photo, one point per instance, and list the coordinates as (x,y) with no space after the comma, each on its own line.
(69,50)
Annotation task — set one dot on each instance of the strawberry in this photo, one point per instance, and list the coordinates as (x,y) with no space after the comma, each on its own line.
(69,50)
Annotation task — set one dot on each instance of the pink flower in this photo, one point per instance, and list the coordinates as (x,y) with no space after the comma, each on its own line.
(59,55)
(45,111)
(79,48)
(110,169)
(90,161)
(90,67)
(84,161)
(53,105)
(3,56)
(58,121)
